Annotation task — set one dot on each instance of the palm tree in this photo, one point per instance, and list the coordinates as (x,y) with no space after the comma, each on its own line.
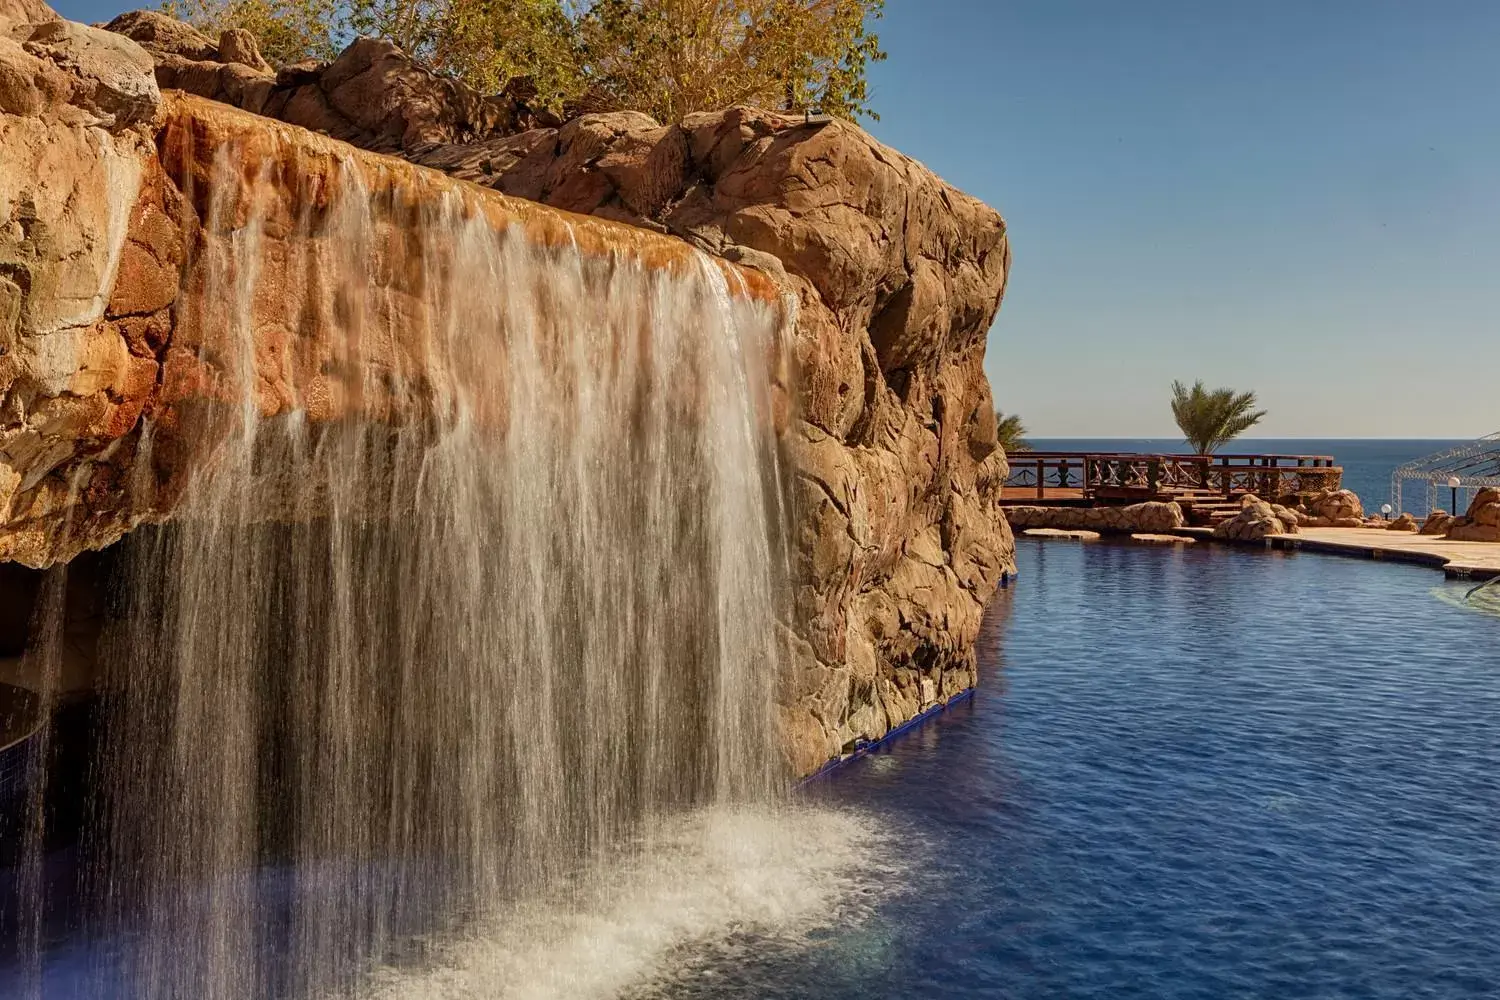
(1211,419)
(1012,433)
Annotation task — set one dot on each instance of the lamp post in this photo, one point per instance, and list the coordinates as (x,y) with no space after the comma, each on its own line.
(1453,484)
(1385,509)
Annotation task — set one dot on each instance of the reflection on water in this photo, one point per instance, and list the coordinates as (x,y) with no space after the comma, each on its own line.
(1192,774)
(1483,598)
(1198,774)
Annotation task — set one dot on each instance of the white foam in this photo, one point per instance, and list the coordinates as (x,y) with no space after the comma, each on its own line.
(778,876)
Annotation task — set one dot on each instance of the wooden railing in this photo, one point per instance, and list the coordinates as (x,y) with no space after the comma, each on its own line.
(1129,476)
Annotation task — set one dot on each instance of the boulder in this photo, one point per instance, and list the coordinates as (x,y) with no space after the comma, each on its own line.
(1256,521)
(892,444)
(1336,506)
(161,35)
(1406,522)
(1437,523)
(236,45)
(1485,507)
(113,78)
(1482,521)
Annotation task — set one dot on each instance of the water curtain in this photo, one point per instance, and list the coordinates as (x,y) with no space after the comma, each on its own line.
(475,576)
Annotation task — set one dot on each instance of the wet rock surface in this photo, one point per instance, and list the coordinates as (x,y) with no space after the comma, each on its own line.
(898,541)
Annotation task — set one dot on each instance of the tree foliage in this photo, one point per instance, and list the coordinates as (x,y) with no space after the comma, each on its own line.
(1210,419)
(665,57)
(484,43)
(674,57)
(1011,432)
(287,31)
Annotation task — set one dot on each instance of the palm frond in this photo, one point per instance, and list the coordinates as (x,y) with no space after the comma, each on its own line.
(1011,432)
(1210,419)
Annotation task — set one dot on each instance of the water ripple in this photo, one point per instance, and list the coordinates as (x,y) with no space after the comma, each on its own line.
(1201,774)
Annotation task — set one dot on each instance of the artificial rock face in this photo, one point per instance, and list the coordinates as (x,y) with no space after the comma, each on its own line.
(899,540)
(81,260)
(1481,523)
(888,439)
(1258,520)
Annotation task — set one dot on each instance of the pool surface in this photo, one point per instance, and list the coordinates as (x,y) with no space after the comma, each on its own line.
(1203,773)
(1194,773)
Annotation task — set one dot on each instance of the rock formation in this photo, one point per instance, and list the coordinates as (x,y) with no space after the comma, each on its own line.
(898,541)
(373,95)
(1481,523)
(1063,534)
(1149,518)
(1438,522)
(1337,505)
(1335,509)
(1258,520)
(79,275)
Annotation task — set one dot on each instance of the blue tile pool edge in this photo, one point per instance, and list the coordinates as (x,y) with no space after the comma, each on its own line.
(863,748)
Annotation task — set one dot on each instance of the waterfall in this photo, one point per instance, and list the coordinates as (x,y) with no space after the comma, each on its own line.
(469,594)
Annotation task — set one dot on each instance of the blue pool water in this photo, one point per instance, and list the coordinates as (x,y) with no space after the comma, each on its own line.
(1188,774)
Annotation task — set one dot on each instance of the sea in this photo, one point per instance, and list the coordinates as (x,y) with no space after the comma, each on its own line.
(1368,463)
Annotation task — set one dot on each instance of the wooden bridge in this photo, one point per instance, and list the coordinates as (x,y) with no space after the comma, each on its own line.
(1089,479)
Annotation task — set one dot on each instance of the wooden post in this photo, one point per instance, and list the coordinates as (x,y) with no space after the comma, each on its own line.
(1041,479)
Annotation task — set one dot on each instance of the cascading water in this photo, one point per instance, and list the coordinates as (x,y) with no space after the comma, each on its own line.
(499,632)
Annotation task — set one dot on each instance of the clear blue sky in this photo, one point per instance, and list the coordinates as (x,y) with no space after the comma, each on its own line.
(1296,196)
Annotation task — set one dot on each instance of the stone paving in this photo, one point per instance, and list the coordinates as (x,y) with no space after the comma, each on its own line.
(1464,559)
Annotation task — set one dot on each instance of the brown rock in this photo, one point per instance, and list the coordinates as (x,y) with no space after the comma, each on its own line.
(161,35)
(1256,521)
(1474,533)
(1336,505)
(1437,523)
(1482,522)
(1289,518)
(1406,522)
(143,285)
(23,79)
(236,45)
(114,78)
(896,277)
(1072,535)
(1152,517)
(399,106)
(17,12)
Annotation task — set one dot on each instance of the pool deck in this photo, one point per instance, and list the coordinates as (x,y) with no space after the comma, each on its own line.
(1462,560)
